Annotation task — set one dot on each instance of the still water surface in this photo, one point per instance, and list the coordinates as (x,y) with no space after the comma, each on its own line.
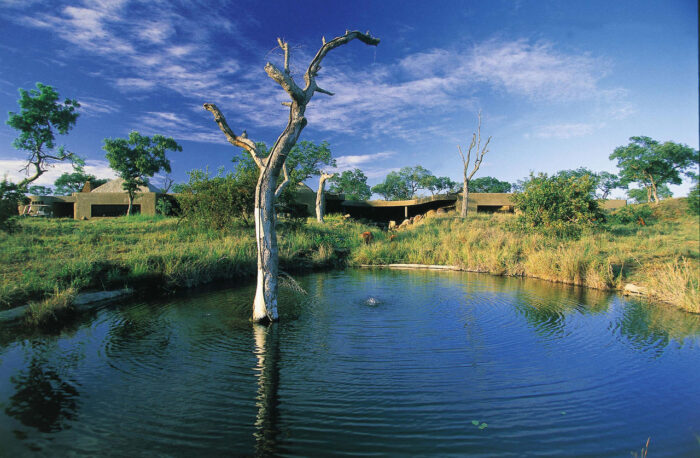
(371,362)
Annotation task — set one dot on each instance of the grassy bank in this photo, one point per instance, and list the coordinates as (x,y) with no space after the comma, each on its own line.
(48,257)
(49,260)
(662,256)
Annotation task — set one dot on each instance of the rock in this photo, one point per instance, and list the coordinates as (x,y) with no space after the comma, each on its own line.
(347,216)
(440,211)
(417,218)
(634,289)
(405,223)
(431,214)
(392,225)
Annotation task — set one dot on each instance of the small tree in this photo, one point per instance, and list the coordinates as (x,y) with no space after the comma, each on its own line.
(351,183)
(38,190)
(394,187)
(69,183)
(476,142)
(321,197)
(652,164)
(10,198)
(489,185)
(607,182)
(641,195)
(415,178)
(137,158)
(437,185)
(40,117)
(558,205)
(267,189)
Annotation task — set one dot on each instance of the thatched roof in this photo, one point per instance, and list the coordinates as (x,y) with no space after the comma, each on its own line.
(116,186)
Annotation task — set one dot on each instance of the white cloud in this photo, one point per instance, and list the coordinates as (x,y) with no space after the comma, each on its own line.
(180,128)
(536,71)
(12,169)
(92,106)
(565,130)
(352,161)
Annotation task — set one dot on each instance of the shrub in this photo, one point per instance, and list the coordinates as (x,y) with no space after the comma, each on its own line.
(632,214)
(10,198)
(217,201)
(694,200)
(558,205)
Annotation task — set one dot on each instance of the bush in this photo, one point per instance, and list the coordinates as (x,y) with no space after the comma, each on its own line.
(558,205)
(10,198)
(632,214)
(694,200)
(216,201)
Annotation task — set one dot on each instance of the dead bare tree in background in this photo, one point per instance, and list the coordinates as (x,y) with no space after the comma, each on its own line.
(267,190)
(476,142)
(321,197)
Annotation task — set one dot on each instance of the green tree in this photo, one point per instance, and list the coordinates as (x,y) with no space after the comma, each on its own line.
(414,177)
(137,158)
(489,185)
(607,182)
(641,196)
(557,204)
(41,116)
(352,183)
(10,198)
(394,187)
(437,185)
(652,164)
(38,190)
(694,199)
(69,183)
(216,201)
(305,160)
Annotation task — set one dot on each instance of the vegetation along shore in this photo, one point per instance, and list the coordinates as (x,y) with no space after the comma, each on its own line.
(47,261)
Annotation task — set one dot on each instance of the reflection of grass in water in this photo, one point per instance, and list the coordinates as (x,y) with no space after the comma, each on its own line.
(643,323)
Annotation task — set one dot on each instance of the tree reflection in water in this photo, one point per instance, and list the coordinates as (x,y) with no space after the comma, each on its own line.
(42,399)
(267,353)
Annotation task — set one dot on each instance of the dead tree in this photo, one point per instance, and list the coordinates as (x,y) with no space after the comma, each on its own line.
(321,196)
(267,190)
(476,141)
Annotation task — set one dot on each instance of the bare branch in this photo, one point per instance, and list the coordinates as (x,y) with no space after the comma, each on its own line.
(241,141)
(285,47)
(315,65)
(323,91)
(284,183)
(285,80)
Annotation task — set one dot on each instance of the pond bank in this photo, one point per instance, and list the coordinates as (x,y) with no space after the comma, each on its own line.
(51,261)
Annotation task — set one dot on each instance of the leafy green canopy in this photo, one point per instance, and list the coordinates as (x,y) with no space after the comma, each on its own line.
(139,157)
(489,185)
(216,201)
(394,187)
(41,116)
(352,183)
(405,183)
(652,164)
(641,196)
(69,183)
(558,205)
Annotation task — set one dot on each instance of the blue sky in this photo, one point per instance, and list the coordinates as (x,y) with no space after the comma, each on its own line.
(560,83)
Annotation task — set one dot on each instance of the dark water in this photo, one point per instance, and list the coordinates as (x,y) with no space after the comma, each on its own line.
(372,362)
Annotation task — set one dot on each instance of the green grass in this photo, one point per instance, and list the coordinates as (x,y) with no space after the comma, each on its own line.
(47,256)
(51,259)
(662,256)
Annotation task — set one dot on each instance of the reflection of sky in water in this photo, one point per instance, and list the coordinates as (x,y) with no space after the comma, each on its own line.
(549,368)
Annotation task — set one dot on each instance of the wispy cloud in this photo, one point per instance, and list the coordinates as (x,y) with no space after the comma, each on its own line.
(565,131)
(91,106)
(351,161)
(407,99)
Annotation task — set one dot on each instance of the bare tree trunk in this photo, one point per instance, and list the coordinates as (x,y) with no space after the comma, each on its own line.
(476,141)
(131,200)
(653,190)
(321,197)
(265,302)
